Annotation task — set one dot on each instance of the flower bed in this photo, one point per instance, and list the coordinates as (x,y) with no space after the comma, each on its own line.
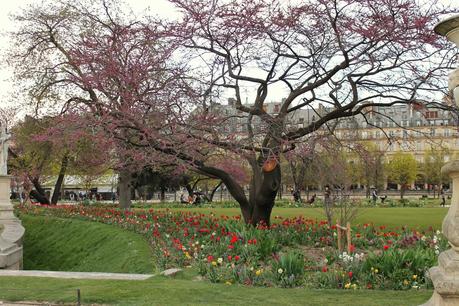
(291,253)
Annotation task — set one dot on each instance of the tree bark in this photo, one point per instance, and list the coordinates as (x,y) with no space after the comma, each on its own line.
(125,189)
(60,179)
(212,194)
(265,197)
(162,196)
(39,193)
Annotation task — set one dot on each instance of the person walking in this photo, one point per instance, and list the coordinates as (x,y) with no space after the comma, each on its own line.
(374,196)
(443,197)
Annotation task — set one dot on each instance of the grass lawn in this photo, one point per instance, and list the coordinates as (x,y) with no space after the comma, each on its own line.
(73,245)
(182,291)
(413,217)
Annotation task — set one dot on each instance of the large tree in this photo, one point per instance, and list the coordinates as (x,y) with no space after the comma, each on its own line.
(89,58)
(153,85)
(349,55)
(402,170)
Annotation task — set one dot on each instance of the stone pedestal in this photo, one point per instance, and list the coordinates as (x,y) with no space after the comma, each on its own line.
(6,209)
(11,230)
(445,276)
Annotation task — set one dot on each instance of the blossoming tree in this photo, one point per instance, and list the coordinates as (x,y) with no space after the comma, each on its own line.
(347,54)
(153,85)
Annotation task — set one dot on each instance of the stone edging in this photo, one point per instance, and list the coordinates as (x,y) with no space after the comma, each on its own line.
(75,275)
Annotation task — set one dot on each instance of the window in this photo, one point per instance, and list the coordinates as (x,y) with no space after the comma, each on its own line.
(432,132)
(431,114)
(446,132)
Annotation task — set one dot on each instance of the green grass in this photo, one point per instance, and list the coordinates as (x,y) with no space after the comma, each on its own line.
(162,291)
(73,245)
(413,217)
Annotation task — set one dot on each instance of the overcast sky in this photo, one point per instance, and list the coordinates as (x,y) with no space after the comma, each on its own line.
(160,7)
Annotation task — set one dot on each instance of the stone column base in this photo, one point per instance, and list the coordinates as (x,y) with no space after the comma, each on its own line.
(11,232)
(10,255)
(445,278)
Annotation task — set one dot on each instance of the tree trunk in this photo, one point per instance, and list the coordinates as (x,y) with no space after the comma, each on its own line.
(125,188)
(39,197)
(60,179)
(402,191)
(162,196)
(300,179)
(263,191)
(39,193)
(262,200)
(211,196)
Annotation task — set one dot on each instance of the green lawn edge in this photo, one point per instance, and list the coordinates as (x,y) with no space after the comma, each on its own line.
(73,245)
(163,291)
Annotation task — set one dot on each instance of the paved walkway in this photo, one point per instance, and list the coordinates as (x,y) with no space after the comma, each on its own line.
(76,275)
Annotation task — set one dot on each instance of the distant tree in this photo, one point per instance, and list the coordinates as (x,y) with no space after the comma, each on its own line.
(299,162)
(402,170)
(31,159)
(434,159)
(370,166)
(51,147)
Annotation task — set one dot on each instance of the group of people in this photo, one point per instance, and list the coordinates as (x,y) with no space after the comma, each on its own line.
(374,196)
(80,196)
(194,198)
(297,197)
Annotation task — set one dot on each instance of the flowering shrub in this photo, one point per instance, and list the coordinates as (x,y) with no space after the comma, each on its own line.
(291,252)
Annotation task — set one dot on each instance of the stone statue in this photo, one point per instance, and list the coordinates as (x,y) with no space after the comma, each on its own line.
(4,136)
